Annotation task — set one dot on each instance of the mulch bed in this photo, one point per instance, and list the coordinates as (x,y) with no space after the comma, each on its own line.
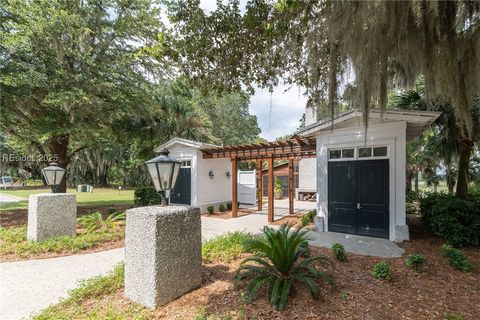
(228,214)
(432,294)
(19,217)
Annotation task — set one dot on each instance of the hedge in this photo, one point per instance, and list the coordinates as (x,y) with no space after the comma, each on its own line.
(455,220)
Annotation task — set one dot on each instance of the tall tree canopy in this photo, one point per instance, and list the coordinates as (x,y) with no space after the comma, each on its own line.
(318,43)
(69,69)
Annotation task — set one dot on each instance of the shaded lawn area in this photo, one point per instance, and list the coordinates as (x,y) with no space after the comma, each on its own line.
(438,292)
(99,196)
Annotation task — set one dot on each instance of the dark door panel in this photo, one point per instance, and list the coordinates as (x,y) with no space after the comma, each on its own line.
(358,197)
(181,193)
(341,196)
(373,198)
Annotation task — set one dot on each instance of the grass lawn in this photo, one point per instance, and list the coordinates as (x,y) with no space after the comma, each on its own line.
(99,196)
(437,292)
(14,244)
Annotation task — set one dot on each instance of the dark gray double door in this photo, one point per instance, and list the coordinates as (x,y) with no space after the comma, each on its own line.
(358,197)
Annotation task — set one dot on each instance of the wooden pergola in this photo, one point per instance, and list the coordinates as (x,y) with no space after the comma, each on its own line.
(296,147)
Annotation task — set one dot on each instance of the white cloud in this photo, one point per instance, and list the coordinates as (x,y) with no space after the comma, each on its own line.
(287,108)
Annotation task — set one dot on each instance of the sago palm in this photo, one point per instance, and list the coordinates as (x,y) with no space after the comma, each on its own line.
(279,265)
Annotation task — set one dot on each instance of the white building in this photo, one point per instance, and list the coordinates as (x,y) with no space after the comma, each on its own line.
(360,172)
(201,182)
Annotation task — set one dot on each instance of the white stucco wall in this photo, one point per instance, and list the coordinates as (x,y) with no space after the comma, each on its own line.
(307,174)
(204,190)
(393,135)
(218,189)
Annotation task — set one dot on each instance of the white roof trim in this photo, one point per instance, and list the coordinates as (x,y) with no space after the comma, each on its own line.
(185,142)
(423,118)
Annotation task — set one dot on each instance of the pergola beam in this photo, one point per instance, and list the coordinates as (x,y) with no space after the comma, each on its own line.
(271,184)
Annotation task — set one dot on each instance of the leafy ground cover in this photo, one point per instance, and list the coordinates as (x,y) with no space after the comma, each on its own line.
(14,244)
(99,196)
(437,292)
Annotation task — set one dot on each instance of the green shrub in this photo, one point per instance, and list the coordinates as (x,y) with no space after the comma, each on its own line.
(416,261)
(95,221)
(221,208)
(457,258)
(455,220)
(279,270)
(146,196)
(226,247)
(412,196)
(229,205)
(339,252)
(411,208)
(381,271)
(308,217)
(304,220)
(210,209)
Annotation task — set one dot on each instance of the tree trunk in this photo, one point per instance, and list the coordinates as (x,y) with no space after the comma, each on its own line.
(408,182)
(450,179)
(465,147)
(435,185)
(59,149)
(416,181)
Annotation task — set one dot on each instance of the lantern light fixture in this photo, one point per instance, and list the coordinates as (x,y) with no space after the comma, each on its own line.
(164,172)
(53,175)
(211,174)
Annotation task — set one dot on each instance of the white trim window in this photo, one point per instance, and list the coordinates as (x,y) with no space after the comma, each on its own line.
(186,164)
(341,154)
(358,153)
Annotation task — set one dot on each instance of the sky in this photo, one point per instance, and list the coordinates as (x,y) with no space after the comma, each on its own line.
(288,106)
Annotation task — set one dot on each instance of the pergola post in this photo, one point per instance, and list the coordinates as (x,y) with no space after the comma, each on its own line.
(271,184)
(234,176)
(259,185)
(290,186)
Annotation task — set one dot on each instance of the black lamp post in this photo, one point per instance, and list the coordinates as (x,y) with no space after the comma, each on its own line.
(164,171)
(53,175)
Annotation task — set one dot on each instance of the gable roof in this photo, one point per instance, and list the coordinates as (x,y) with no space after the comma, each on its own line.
(416,121)
(185,142)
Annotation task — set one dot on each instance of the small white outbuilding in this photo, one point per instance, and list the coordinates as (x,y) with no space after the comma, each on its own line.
(361,171)
(201,182)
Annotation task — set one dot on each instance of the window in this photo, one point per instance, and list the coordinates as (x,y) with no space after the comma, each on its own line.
(348,153)
(380,151)
(364,152)
(186,163)
(341,153)
(335,154)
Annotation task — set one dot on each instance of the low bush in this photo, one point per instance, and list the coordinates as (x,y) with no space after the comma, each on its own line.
(455,220)
(221,208)
(210,209)
(308,217)
(416,261)
(339,252)
(95,221)
(457,258)
(226,247)
(279,271)
(229,205)
(381,271)
(146,196)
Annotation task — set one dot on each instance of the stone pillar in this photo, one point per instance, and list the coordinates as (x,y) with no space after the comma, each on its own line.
(163,253)
(51,215)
